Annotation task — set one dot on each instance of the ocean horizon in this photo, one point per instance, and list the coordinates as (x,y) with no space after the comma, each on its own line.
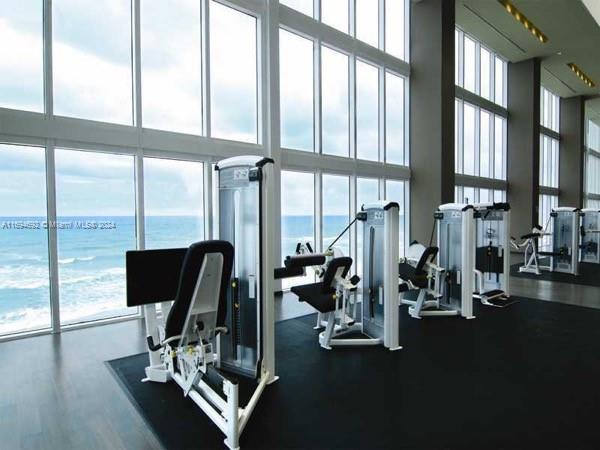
(91,261)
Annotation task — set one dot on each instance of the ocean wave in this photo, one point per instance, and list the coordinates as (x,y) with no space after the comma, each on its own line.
(77,259)
(29,277)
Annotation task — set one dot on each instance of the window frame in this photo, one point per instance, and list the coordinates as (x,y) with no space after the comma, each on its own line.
(47,130)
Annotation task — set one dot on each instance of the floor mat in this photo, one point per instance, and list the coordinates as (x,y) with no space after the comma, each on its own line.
(525,376)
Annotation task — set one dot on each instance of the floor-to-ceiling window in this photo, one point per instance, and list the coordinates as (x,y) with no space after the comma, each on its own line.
(592,166)
(297,217)
(95,208)
(24,276)
(480,122)
(173,202)
(128,106)
(343,103)
(549,158)
(21,55)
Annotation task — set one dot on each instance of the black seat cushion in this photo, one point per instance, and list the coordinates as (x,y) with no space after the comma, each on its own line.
(412,274)
(313,295)
(192,264)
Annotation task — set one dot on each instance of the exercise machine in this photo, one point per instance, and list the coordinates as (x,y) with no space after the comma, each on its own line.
(446,288)
(492,254)
(565,240)
(455,224)
(379,293)
(220,327)
(590,235)
(420,276)
(530,244)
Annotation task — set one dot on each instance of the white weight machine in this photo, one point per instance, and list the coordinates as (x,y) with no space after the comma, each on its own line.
(492,254)
(447,289)
(330,296)
(590,236)
(530,246)
(221,324)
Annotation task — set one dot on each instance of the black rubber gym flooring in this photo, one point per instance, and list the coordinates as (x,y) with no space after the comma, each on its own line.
(589,275)
(526,376)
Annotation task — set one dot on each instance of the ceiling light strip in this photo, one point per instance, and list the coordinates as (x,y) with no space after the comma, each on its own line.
(523,20)
(581,75)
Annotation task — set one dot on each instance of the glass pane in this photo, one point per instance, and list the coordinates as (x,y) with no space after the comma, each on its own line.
(500,148)
(469,140)
(304,6)
(96,214)
(92,60)
(173,202)
(233,74)
(335,108)
(485,64)
(336,211)
(457,44)
(394,27)
(297,91)
(24,277)
(395,192)
(171,65)
(457,149)
(470,64)
(484,144)
(367,21)
(297,218)
(367,111)
(499,82)
(21,55)
(485,196)
(335,14)
(394,106)
(469,195)
(367,191)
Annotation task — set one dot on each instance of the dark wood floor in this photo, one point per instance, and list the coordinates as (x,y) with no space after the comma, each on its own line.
(56,392)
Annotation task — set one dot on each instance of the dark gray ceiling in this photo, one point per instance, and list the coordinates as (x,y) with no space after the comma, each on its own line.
(574,36)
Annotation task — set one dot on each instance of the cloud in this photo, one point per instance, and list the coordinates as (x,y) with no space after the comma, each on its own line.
(296,85)
(21,79)
(335,102)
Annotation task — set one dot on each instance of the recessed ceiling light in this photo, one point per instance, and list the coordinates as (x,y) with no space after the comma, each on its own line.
(581,75)
(523,20)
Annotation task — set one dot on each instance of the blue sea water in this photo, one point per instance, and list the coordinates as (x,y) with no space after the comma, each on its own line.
(91,262)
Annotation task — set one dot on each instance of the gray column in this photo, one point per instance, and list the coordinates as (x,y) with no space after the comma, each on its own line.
(523,144)
(572,148)
(431,112)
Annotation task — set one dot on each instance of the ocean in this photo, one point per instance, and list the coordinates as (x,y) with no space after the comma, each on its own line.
(91,262)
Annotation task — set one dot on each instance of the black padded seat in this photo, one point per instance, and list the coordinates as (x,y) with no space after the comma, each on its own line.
(313,295)
(417,274)
(410,273)
(321,296)
(190,270)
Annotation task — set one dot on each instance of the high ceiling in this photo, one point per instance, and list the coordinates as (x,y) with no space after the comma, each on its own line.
(574,36)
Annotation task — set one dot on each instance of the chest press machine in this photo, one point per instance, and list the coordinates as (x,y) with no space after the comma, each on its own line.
(379,293)
(221,323)
(590,236)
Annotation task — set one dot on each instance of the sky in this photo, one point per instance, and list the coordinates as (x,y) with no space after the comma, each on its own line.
(92,79)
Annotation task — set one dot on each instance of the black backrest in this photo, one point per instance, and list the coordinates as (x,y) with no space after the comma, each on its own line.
(192,264)
(430,252)
(332,268)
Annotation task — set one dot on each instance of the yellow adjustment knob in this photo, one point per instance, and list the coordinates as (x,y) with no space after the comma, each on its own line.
(236,305)
(234,284)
